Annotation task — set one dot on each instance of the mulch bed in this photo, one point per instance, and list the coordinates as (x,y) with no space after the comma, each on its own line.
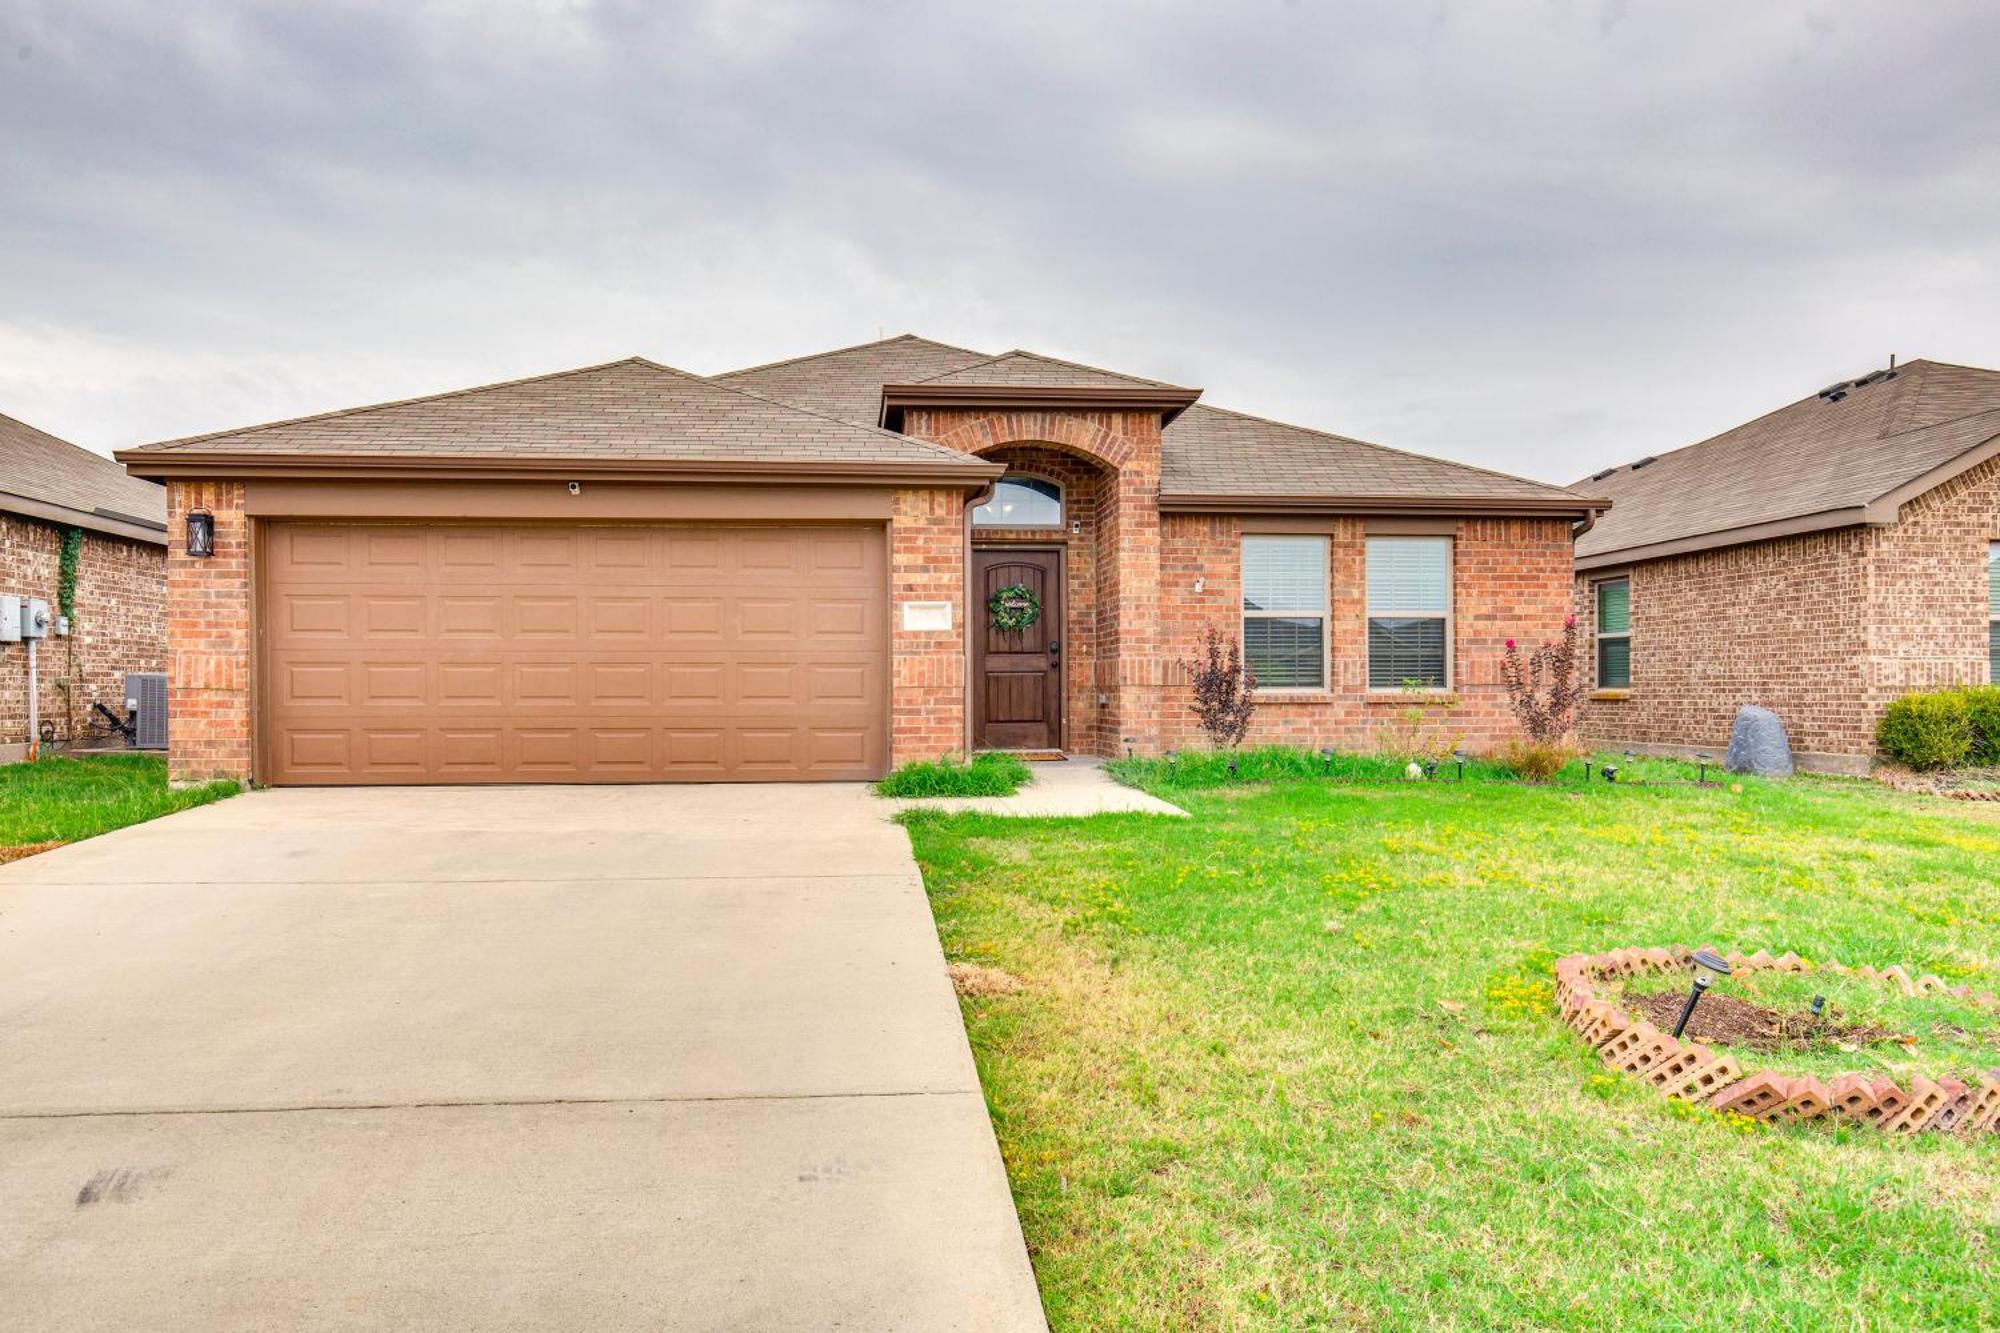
(1726,1020)
(26,849)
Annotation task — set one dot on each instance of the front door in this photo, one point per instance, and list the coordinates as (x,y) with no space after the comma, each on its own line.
(1017,673)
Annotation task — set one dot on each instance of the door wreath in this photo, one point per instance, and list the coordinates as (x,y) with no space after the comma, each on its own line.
(1014,608)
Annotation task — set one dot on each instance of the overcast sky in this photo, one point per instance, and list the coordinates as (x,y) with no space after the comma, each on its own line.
(1545,237)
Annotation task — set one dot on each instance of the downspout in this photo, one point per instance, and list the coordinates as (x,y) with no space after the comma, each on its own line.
(34,704)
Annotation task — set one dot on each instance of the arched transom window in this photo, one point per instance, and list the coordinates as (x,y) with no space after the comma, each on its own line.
(1021,502)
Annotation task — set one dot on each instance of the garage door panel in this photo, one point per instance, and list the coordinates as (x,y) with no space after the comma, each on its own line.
(469,653)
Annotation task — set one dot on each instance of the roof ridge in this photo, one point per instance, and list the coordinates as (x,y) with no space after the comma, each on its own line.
(1054,361)
(872,431)
(837,351)
(1928,366)
(1387,448)
(365,408)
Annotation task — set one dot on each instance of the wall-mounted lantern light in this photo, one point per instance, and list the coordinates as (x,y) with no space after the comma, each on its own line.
(200,534)
(1708,965)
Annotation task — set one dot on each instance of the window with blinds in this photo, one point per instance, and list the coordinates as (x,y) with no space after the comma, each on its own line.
(1409,612)
(1284,611)
(1993,613)
(1614,634)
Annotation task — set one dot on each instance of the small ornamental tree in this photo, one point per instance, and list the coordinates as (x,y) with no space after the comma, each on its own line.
(1546,691)
(1224,688)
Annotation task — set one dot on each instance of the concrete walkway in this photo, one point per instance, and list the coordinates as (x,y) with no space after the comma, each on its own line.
(1068,787)
(557,1058)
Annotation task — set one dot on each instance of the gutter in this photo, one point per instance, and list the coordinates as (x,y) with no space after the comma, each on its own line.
(108,522)
(162,464)
(1578,508)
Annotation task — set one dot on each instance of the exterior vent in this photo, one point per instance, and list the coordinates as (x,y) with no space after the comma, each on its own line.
(1647,461)
(146,700)
(1600,476)
(1833,393)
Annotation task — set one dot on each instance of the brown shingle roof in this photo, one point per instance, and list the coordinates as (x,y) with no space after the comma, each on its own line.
(847,383)
(1812,464)
(628,411)
(1213,452)
(49,478)
(1207,451)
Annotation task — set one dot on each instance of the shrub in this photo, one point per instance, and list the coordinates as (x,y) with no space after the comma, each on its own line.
(1411,733)
(1224,688)
(1927,731)
(989,774)
(1545,693)
(1982,705)
(1536,761)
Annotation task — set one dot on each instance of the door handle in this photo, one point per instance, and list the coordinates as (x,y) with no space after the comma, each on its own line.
(1055,650)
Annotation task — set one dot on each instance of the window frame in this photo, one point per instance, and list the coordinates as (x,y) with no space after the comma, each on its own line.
(1598,634)
(1370,613)
(1062,505)
(1324,615)
(1993,612)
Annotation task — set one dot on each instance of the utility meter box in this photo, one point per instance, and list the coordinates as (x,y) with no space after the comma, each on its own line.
(10,618)
(34,618)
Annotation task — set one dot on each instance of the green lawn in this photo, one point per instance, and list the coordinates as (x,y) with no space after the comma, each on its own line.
(62,800)
(1292,1064)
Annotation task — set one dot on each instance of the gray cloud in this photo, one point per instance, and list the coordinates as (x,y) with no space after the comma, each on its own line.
(1543,237)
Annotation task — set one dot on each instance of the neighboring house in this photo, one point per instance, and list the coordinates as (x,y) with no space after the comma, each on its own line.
(1819,561)
(630,573)
(48,489)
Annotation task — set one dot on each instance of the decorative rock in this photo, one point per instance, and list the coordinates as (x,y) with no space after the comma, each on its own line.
(1758,744)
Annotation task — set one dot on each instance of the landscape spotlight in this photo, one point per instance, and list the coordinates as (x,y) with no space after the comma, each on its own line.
(1610,772)
(1232,769)
(1459,755)
(1708,965)
(1173,757)
(1430,770)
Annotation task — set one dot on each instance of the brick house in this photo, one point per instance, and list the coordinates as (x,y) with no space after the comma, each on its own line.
(50,489)
(630,573)
(1819,561)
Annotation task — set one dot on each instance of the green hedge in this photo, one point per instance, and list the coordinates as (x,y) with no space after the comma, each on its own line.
(1944,728)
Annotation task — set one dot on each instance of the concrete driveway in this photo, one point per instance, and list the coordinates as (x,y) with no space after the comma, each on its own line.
(512,1058)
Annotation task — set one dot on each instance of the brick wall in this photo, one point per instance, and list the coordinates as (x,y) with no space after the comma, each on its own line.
(1822,628)
(208,637)
(118,626)
(1510,579)
(1927,590)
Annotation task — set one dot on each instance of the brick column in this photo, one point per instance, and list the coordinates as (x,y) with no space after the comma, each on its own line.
(208,637)
(927,564)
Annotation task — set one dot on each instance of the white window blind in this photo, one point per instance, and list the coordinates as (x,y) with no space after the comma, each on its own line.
(1284,611)
(1409,612)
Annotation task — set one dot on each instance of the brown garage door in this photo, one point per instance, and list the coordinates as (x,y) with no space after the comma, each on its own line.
(428,653)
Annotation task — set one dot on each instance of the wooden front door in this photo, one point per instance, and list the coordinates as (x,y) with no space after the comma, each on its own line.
(1017,677)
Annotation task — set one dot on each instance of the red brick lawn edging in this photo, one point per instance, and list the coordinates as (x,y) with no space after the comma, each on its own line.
(1692,1072)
